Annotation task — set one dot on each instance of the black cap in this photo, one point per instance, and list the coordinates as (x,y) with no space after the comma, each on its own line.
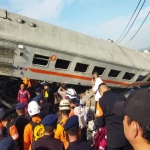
(136,107)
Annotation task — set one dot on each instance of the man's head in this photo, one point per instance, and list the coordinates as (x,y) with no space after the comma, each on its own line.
(46,85)
(136,113)
(20,108)
(95,75)
(63,87)
(38,90)
(72,126)
(71,94)
(50,124)
(103,88)
(64,107)
(22,86)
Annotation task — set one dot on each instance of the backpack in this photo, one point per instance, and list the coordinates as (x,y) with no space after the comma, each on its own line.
(100,139)
(38,130)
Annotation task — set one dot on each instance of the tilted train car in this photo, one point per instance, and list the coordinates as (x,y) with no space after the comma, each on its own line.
(37,50)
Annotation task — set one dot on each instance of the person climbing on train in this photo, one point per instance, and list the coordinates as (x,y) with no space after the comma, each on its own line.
(64,108)
(29,132)
(62,90)
(49,93)
(23,95)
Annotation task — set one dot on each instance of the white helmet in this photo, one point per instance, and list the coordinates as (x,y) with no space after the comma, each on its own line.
(33,108)
(71,93)
(64,104)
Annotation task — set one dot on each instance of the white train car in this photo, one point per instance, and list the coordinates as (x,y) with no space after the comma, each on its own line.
(36,50)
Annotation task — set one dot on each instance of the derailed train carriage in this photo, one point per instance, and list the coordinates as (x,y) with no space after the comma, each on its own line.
(37,50)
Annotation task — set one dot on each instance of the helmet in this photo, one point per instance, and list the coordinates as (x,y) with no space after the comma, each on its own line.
(33,108)
(22,85)
(71,93)
(64,104)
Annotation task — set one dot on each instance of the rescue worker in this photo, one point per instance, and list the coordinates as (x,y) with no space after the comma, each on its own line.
(115,135)
(77,109)
(64,108)
(72,129)
(20,122)
(62,91)
(23,95)
(48,142)
(33,110)
(49,94)
(136,112)
(45,107)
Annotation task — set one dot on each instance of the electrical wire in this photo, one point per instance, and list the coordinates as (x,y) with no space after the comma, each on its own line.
(138,28)
(129,21)
(133,21)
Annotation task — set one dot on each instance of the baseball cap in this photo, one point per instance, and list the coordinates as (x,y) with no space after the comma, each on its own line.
(50,120)
(45,84)
(137,106)
(20,106)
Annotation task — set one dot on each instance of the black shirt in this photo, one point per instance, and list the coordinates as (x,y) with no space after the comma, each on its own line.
(47,142)
(20,122)
(113,123)
(79,145)
(51,97)
(5,132)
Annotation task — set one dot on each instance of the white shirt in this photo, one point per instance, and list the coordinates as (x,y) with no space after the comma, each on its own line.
(95,88)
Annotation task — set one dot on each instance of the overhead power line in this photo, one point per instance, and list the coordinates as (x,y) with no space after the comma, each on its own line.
(139,28)
(133,21)
(129,21)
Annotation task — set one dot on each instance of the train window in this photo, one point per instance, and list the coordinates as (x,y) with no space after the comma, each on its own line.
(81,67)
(40,60)
(100,70)
(140,78)
(128,76)
(148,79)
(62,64)
(113,73)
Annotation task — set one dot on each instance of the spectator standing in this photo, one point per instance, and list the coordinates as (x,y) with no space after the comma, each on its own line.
(136,112)
(115,136)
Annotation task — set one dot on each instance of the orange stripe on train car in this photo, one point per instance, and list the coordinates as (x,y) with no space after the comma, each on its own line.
(81,77)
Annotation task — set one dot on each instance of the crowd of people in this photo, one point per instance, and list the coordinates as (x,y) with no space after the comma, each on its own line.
(121,124)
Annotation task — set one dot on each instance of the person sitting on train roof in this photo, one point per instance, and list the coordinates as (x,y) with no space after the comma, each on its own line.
(20,122)
(136,112)
(72,130)
(64,108)
(49,94)
(96,81)
(62,90)
(33,110)
(48,142)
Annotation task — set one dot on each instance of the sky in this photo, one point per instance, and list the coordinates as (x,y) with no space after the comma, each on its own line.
(105,19)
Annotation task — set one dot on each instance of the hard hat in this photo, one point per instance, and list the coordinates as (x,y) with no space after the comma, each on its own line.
(33,108)
(22,85)
(64,104)
(71,93)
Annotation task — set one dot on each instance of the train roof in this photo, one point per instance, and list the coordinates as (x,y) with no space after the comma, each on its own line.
(66,41)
